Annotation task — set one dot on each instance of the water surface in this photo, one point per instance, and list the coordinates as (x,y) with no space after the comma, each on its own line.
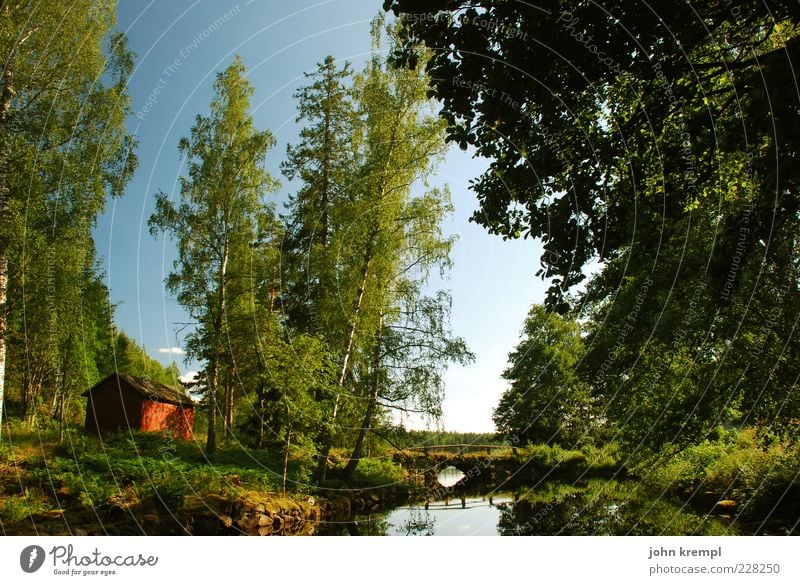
(597,507)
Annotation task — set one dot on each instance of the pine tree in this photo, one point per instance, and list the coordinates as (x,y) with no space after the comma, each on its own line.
(323,161)
(377,234)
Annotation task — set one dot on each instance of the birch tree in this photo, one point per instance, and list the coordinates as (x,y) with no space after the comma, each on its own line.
(216,220)
(63,142)
(396,145)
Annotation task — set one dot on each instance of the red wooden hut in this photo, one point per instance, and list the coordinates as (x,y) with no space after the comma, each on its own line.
(121,401)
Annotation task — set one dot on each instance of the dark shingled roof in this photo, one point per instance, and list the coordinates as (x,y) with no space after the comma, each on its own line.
(149,389)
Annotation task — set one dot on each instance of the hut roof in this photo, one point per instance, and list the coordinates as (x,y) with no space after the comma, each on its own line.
(149,389)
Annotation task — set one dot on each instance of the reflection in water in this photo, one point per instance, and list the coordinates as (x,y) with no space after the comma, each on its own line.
(449,476)
(603,508)
(418,523)
(596,507)
(459,516)
(366,525)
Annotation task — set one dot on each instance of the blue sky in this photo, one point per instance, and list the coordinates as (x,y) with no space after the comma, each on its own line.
(179,46)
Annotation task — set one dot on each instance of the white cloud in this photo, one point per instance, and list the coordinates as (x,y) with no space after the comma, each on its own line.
(172,350)
(188,377)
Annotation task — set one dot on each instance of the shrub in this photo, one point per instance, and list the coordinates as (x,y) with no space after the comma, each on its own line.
(76,445)
(607,456)
(548,456)
(736,464)
(168,496)
(16,508)
(378,473)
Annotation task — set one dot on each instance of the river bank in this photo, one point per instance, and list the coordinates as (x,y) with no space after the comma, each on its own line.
(148,484)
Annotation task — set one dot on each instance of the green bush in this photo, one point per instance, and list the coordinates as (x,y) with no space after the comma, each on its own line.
(20,507)
(76,445)
(93,491)
(607,456)
(548,456)
(168,496)
(739,465)
(560,456)
(6,451)
(377,473)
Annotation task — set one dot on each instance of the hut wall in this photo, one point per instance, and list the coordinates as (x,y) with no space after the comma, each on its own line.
(112,407)
(160,416)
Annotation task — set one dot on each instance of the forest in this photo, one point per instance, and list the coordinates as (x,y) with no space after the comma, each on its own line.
(655,167)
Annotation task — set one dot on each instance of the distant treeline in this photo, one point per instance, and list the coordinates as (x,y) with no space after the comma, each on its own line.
(404,438)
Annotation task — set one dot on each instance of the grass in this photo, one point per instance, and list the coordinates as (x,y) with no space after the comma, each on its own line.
(150,473)
(147,470)
(155,473)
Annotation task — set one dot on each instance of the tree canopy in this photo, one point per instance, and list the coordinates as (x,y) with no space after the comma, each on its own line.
(64,149)
(658,145)
(548,401)
(608,126)
(217,220)
(365,233)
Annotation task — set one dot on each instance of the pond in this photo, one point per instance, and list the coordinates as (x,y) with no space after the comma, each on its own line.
(596,507)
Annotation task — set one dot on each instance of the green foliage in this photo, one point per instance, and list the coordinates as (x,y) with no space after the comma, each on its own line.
(64,148)
(217,223)
(418,438)
(324,161)
(606,456)
(132,469)
(169,497)
(738,464)
(548,401)
(362,243)
(298,370)
(550,456)
(601,507)
(378,472)
(690,320)
(558,168)
(301,461)
(18,508)
(128,357)
(75,445)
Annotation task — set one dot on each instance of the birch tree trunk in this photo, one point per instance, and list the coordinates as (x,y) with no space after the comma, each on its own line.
(358,448)
(5,107)
(327,437)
